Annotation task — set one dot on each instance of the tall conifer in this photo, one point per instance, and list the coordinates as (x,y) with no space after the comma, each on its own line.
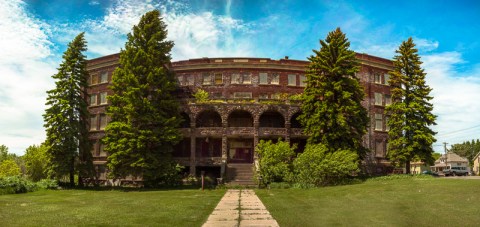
(411,111)
(144,112)
(68,147)
(332,113)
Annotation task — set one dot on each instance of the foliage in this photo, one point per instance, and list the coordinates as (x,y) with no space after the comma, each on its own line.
(201,95)
(15,185)
(295,97)
(3,153)
(332,113)
(47,184)
(9,168)
(411,111)
(275,161)
(144,111)
(66,117)
(320,167)
(468,149)
(36,162)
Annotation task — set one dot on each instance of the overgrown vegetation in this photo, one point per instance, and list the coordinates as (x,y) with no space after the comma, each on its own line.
(275,161)
(17,184)
(201,96)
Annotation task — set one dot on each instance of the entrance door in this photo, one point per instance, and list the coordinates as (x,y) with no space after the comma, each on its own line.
(240,151)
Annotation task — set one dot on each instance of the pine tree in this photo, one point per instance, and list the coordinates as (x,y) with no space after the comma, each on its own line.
(68,147)
(332,113)
(144,113)
(411,111)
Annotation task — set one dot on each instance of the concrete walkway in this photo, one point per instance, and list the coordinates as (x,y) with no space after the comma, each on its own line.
(239,208)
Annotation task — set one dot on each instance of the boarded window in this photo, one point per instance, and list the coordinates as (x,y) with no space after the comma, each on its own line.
(303,80)
(378,78)
(378,99)
(275,79)
(218,78)
(378,122)
(292,80)
(103,98)
(93,99)
(103,121)
(242,95)
(247,78)
(379,149)
(263,78)
(104,77)
(207,79)
(235,79)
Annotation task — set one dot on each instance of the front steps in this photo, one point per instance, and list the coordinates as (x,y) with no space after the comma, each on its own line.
(240,174)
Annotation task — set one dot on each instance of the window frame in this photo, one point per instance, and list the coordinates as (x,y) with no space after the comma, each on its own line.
(292,80)
(103,94)
(378,122)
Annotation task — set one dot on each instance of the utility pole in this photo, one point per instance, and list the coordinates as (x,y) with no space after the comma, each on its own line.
(445,149)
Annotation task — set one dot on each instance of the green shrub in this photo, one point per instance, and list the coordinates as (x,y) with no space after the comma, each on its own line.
(201,95)
(9,168)
(16,184)
(47,184)
(275,161)
(317,166)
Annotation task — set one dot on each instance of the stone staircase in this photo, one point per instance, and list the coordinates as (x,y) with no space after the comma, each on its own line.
(240,174)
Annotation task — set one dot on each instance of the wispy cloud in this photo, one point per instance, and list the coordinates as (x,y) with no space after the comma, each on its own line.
(25,69)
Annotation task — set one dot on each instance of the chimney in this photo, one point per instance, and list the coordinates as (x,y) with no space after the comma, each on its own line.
(286,57)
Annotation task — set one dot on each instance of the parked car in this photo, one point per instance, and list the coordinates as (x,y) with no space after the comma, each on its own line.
(428,172)
(455,171)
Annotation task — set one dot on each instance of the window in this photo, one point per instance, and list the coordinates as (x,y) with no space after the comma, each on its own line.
(102,150)
(180,80)
(292,80)
(386,78)
(388,100)
(387,128)
(303,79)
(378,122)
(235,78)
(379,149)
(94,148)
(242,95)
(93,99)
(247,78)
(218,78)
(263,78)
(378,99)
(207,79)
(93,122)
(275,96)
(93,79)
(263,96)
(378,78)
(104,77)
(190,80)
(103,121)
(275,79)
(103,98)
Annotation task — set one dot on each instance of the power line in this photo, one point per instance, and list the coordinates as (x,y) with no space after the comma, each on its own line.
(460,130)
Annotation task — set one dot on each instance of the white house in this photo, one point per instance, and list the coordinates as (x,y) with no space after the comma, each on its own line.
(449,160)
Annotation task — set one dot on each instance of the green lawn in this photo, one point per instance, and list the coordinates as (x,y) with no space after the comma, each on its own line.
(100,208)
(401,202)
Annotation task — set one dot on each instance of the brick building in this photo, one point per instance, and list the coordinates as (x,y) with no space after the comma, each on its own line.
(250,99)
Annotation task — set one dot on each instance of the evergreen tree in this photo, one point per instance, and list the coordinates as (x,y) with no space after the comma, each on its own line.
(467,149)
(332,113)
(411,111)
(144,112)
(68,147)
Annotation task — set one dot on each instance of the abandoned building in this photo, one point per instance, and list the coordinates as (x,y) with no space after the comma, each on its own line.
(250,99)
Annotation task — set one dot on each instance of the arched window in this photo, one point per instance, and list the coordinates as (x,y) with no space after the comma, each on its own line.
(208,118)
(272,119)
(240,118)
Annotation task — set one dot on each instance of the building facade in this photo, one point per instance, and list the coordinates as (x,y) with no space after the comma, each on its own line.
(250,99)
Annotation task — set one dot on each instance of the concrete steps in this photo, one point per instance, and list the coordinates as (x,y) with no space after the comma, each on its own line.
(240,174)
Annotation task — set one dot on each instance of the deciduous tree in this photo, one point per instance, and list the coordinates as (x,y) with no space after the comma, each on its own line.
(332,113)
(66,116)
(411,111)
(36,162)
(144,112)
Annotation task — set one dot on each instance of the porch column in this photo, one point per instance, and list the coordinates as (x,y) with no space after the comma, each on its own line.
(288,129)
(192,149)
(224,148)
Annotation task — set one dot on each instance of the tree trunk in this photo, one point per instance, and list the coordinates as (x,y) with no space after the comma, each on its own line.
(72,173)
(407,167)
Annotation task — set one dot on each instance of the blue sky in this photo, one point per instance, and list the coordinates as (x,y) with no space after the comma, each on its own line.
(34,34)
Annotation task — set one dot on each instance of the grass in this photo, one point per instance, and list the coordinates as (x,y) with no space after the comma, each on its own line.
(107,208)
(381,202)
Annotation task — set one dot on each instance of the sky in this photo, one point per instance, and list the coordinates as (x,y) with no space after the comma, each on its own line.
(34,34)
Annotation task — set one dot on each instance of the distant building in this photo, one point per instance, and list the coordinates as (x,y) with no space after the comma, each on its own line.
(476,164)
(250,100)
(448,161)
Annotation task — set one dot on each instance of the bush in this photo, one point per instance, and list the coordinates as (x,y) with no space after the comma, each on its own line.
(317,166)
(275,161)
(15,185)
(9,168)
(47,184)
(201,95)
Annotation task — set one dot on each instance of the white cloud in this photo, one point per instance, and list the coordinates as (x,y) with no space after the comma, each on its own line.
(425,45)
(456,97)
(25,71)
